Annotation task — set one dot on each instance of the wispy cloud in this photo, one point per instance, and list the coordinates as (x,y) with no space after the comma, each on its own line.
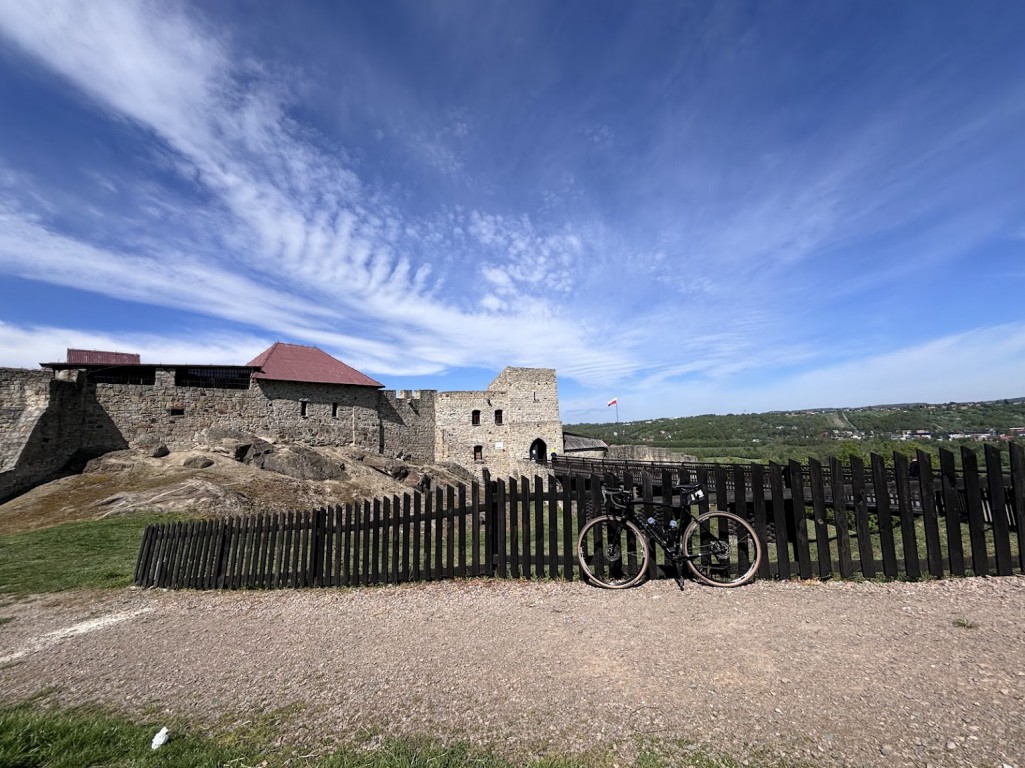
(707,216)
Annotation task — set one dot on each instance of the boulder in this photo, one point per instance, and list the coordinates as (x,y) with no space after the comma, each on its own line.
(151,445)
(391,467)
(296,461)
(198,462)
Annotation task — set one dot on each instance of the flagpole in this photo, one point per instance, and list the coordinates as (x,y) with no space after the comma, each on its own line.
(617,412)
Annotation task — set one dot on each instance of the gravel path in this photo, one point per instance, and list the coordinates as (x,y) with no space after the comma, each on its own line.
(830,674)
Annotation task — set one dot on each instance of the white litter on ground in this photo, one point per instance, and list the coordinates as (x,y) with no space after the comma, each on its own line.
(160,739)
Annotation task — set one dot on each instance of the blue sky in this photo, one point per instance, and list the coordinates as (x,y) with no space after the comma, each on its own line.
(693,206)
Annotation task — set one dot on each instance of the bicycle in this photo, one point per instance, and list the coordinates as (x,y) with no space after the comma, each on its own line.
(719,548)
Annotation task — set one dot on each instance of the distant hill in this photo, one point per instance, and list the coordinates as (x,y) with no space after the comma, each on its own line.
(781,435)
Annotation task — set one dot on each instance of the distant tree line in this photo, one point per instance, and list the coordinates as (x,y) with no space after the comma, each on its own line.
(783,435)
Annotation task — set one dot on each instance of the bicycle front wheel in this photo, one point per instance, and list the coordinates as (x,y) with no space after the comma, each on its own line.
(722,549)
(613,553)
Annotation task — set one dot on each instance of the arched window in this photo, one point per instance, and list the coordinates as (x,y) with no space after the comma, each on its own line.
(498,416)
(475,418)
(539,451)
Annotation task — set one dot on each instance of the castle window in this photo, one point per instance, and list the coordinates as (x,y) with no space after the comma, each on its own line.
(478,453)
(175,411)
(127,375)
(334,410)
(303,408)
(498,416)
(212,378)
(475,418)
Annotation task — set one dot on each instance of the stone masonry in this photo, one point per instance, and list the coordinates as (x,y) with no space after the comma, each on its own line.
(48,421)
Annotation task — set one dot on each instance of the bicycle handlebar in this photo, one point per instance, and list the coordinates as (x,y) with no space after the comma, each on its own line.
(614,494)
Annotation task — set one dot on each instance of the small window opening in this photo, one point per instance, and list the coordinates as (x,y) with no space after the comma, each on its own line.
(498,416)
(334,410)
(175,411)
(304,408)
(475,418)
(478,453)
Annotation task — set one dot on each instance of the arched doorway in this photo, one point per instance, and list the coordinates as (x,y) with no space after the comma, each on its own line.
(539,451)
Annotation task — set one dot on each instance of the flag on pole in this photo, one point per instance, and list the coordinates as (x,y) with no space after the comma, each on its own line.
(613,401)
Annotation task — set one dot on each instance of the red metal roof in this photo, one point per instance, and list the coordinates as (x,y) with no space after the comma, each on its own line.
(294,362)
(95,357)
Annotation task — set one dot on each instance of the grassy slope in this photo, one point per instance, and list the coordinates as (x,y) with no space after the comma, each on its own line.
(93,554)
(799,434)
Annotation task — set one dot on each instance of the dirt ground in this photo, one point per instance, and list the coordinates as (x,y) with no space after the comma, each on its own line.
(825,674)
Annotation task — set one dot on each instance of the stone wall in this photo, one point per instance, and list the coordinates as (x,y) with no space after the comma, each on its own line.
(528,400)
(47,421)
(408,421)
(56,425)
(24,396)
(645,453)
(317,414)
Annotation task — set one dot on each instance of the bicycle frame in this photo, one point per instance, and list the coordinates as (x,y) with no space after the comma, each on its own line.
(621,503)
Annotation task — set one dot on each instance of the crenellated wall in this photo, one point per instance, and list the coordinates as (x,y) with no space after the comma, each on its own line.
(48,420)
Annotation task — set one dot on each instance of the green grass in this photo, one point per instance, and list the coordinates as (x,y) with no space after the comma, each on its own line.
(93,554)
(32,736)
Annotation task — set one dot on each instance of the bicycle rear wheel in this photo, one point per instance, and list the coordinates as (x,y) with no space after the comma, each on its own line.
(613,553)
(722,549)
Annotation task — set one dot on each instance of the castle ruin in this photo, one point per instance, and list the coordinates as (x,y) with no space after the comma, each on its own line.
(98,402)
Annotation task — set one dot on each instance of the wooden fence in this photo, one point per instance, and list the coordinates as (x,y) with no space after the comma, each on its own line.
(904,520)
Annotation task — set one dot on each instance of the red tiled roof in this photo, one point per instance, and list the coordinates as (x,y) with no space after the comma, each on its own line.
(95,357)
(293,362)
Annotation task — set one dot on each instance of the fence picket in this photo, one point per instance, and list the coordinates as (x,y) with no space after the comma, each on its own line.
(758,513)
(500,528)
(569,556)
(375,545)
(860,493)
(779,519)
(1018,495)
(338,520)
(450,533)
(439,533)
(976,521)
(840,522)
(952,513)
(881,490)
(525,528)
(406,574)
(927,490)
(909,540)
(463,517)
(475,523)
(539,530)
(365,521)
(998,510)
(798,519)
(818,504)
